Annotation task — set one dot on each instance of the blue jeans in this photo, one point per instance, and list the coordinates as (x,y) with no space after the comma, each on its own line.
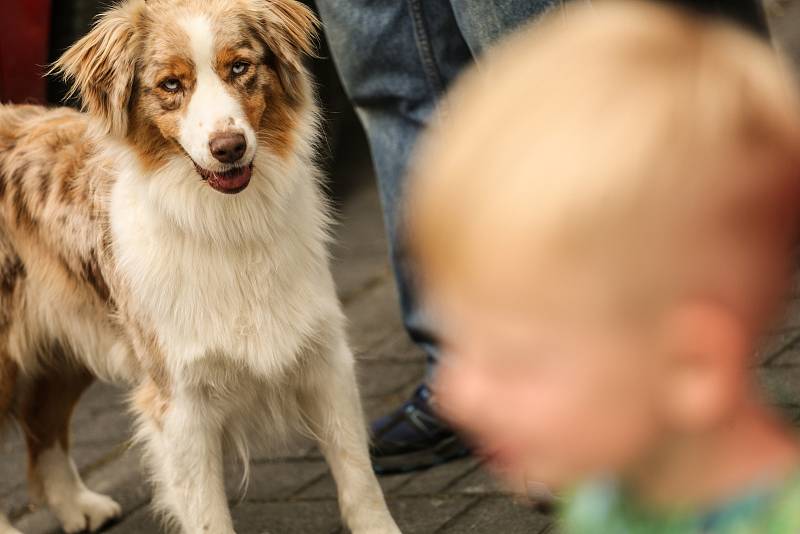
(396,58)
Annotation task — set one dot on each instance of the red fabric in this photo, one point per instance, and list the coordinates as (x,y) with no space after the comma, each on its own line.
(24,36)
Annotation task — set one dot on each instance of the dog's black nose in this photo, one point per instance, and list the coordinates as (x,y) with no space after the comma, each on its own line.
(227,147)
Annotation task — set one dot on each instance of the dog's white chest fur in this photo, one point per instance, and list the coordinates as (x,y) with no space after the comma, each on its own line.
(245,278)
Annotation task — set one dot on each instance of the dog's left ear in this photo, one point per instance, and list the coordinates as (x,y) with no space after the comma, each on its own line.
(100,66)
(289,29)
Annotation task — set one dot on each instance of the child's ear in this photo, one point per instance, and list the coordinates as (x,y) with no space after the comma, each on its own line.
(100,66)
(706,367)
(289,30)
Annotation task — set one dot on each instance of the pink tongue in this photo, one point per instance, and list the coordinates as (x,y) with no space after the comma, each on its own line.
(231,183)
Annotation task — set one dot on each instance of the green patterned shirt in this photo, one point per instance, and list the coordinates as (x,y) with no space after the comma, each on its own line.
(598,509)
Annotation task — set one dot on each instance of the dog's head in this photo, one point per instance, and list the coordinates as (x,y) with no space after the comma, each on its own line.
(212,81)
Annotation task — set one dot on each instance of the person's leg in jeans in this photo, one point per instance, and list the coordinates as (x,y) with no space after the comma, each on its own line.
(396,58)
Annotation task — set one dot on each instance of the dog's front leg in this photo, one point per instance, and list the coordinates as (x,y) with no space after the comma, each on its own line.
(185,452)
(332,404)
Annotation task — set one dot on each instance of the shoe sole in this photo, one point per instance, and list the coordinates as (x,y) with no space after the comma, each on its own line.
(448,450)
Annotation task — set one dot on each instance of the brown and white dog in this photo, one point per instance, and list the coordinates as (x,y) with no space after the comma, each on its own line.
(173,238)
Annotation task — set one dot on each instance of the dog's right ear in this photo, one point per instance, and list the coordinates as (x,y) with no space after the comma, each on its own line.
(100,67)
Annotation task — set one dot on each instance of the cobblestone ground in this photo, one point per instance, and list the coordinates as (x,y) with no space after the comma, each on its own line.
(294,493)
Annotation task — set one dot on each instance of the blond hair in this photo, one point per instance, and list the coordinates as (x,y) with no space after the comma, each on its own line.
(634,140)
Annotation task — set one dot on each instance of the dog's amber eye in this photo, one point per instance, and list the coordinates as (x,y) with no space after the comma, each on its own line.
(239,68)
(171,85)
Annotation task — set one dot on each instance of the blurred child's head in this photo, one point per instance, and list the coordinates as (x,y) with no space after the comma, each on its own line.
(604,224)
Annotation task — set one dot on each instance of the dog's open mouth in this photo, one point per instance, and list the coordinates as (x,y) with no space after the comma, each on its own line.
(231,181)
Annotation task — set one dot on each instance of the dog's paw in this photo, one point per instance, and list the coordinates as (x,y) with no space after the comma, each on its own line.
(384,529)
(87,511)
(382,526)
